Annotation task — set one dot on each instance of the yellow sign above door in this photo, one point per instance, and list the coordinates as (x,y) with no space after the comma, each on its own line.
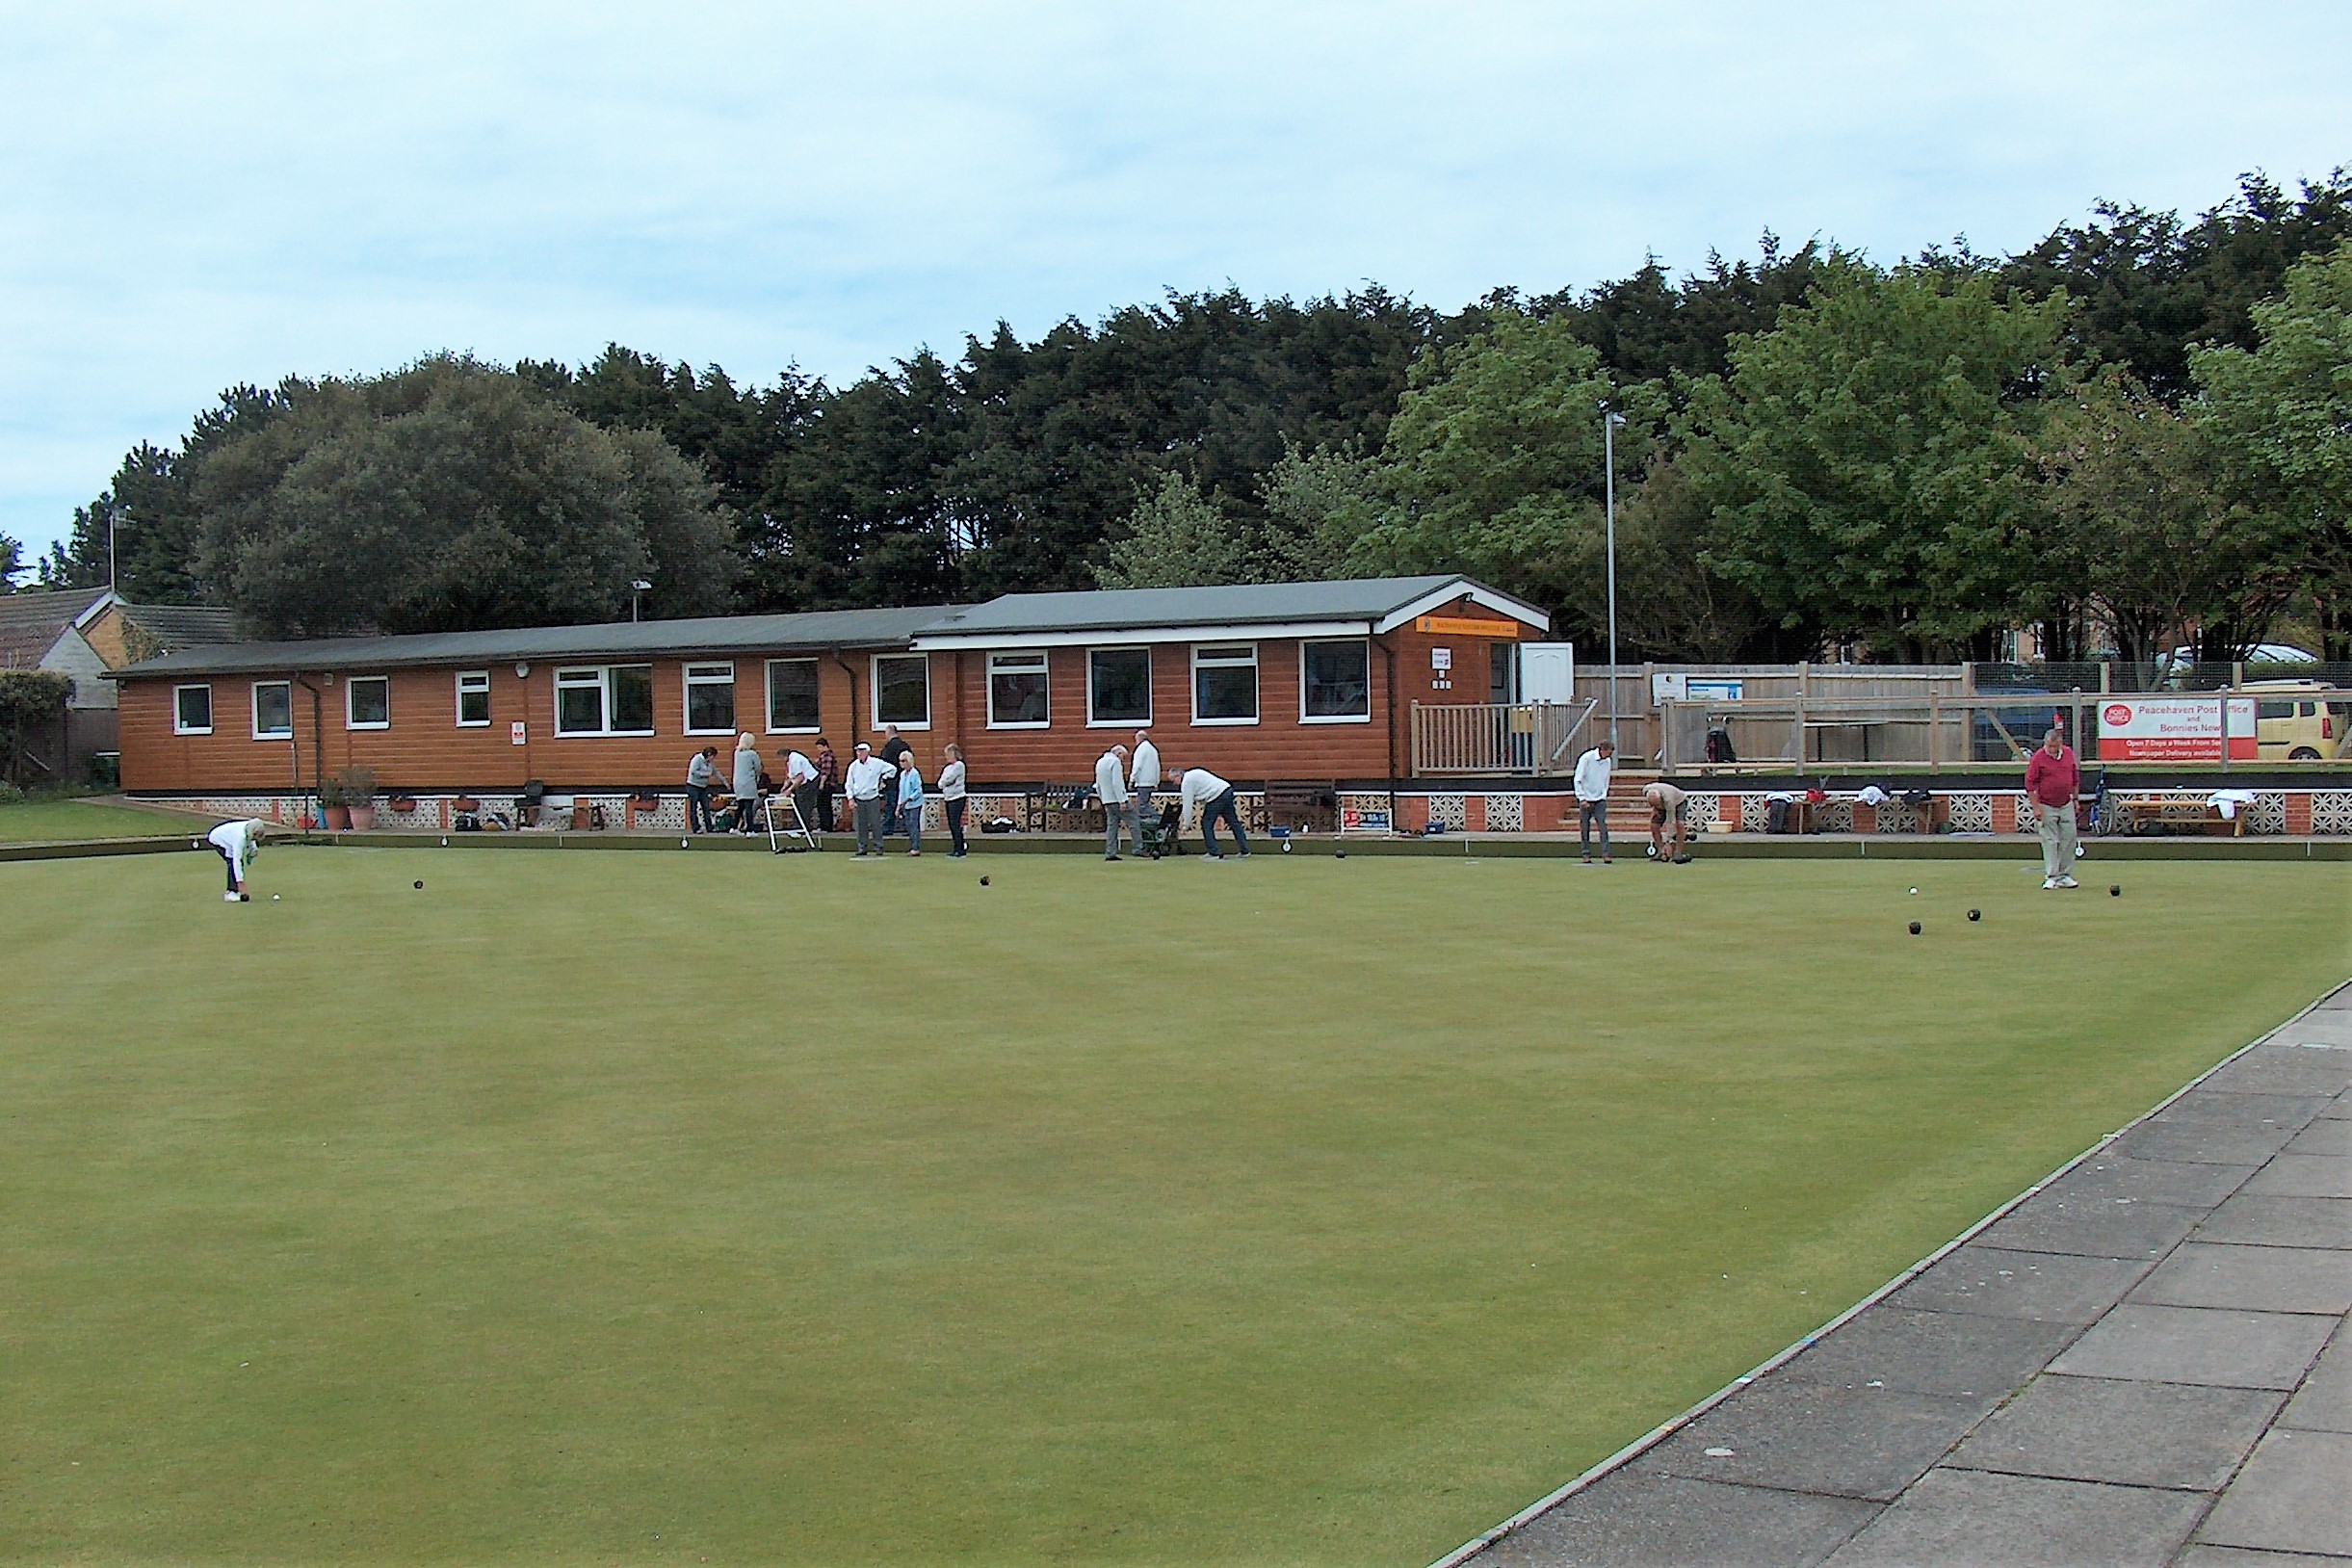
(1460,626)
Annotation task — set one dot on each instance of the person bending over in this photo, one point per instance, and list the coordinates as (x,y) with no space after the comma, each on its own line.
(237,843)
(1211,798)
(1669,822)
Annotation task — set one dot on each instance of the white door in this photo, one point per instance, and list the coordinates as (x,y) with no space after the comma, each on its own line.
(1547,672)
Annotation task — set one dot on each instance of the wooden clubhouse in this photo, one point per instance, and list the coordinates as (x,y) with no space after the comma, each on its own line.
(1275,681)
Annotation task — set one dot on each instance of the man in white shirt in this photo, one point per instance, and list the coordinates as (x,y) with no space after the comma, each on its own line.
(237,843)
(865,782)
(1110,788)
(1592,770)
(1211,798)
(1142,779)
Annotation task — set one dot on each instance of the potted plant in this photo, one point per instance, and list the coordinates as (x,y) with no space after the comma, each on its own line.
(359,783)
(334,804)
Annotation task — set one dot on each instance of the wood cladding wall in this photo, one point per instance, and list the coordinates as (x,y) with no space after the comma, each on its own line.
(424,748)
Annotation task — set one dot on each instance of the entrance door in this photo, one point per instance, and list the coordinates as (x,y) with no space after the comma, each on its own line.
(1547,672)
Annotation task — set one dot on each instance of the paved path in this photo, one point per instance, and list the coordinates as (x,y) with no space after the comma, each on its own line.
(2144,1362)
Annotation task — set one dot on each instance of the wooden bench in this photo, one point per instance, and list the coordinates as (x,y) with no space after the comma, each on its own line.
(1304,805)
(2152,813)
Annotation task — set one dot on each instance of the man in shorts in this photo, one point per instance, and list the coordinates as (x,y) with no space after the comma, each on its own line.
(1669,822)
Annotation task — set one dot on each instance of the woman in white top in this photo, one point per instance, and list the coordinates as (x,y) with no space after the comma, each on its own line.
(952,795)
(747,782)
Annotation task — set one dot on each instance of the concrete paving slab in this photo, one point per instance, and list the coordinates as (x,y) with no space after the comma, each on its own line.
(2092,1229)
(1964,1518)
(2108,1176)
(2040,1287)
(2304,1176)
(2230,1556)
(2339,1107)
(2257,1221)
(2134,1434)
(1931,1352)
(2291,1497)
(2255,1278)
(2203,1143)
(2201,1103)
(1838,1442)
(2308,1072)
(2318,1029)
(2324,1401)
(1623,1520)
(2198,1344)
(2323,1137)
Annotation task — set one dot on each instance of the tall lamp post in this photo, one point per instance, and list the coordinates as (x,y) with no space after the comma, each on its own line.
(637,587)
(1610,421)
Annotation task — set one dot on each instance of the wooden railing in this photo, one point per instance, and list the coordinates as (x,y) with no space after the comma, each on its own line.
(1499,737)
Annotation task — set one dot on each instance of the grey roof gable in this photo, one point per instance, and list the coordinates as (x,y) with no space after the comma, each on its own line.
(718,636)
(1344,599)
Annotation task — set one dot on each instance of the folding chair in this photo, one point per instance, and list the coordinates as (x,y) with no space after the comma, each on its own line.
(779,834)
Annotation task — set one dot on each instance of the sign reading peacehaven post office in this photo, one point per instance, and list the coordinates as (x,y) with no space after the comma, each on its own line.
(2173,729)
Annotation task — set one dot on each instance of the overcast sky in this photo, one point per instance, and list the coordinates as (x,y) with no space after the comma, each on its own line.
(192,196)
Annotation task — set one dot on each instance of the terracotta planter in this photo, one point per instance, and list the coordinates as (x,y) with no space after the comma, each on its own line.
(338,819)
(363,818)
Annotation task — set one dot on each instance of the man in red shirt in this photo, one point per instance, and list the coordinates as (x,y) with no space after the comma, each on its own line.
(2052,780)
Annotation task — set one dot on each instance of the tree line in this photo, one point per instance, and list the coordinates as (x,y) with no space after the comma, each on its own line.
(2135,425)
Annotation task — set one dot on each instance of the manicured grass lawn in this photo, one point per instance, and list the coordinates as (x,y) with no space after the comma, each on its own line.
(32,820)
(666,1206)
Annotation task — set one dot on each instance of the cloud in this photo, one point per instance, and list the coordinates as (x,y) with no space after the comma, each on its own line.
(197,197)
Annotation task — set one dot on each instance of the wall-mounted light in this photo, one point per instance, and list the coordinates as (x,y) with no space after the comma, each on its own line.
(521,670)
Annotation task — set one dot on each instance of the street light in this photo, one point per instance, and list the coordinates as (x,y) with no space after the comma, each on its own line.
(636,585)
(1610,421)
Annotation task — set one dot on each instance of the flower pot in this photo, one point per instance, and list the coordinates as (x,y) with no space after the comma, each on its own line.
(338,819)
(363,817)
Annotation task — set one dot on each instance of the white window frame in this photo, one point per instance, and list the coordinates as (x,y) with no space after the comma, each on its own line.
(1364,717)
(179,725)
(768,691)
(350,685)
(1150,698)
(1257,687)
(260,734)
(873,692)
(1021,662)
(603,683)
(481,684)
(691,675)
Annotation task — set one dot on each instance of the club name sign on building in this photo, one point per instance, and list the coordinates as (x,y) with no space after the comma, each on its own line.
(2174,729)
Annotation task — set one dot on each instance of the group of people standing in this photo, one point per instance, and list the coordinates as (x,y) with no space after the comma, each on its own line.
(1125,784)
(1669,809)
(886,791)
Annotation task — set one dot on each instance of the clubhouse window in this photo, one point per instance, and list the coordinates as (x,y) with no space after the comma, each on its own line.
(367,702)
(192,710)
(1225,684)
(792,696)
(473,698)
(903,691)
(709,699)
(608,699)
(272,710)
(1017,695)
(1119,686)
(1334,683)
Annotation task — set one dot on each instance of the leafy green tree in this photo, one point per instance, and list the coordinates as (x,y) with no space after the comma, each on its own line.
(1178,538)
(1868,465)
(1493,463)
(449,496)
(2282,414)
(12,564)
(2145,538)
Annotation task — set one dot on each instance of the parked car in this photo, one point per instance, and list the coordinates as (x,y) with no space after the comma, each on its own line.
(2300,720)
(2177,664)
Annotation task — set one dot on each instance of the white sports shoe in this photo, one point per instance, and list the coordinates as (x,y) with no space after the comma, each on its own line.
(2068,881)
(229,898)
(2049,885)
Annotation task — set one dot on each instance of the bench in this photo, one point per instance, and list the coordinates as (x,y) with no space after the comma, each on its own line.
(2152,814)
(1304,805)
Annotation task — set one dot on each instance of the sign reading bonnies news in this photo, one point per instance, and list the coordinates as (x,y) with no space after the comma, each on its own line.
(2173,729)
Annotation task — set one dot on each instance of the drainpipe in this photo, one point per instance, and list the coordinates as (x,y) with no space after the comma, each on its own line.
(1388,655)
(858,725)
(318,749)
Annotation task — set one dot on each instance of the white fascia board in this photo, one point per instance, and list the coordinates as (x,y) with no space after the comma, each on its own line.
(97,607)
(1123,637)
(1502,604)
